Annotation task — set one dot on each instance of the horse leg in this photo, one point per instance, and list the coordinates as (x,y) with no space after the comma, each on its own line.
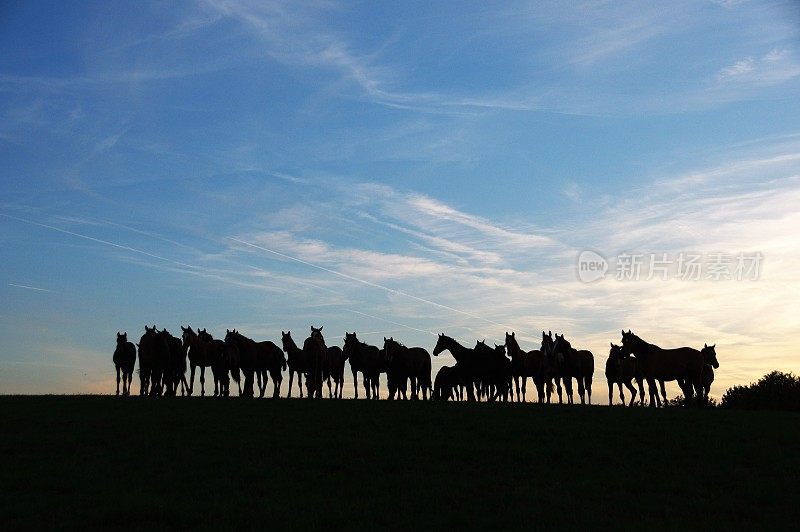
(588,386)
(191,379)
(123,386)
(581,390)
(524,389)
(202,381)
(632,389)
(663,392)
(330,393)
(611,393)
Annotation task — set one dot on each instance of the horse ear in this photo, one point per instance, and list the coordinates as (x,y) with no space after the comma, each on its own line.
(321,327)
(705,346)
(611,344)
(623,332)
(513,333)
(713,346)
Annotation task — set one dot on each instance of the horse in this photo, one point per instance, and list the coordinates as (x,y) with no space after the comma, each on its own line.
(269,359)
(710,363)
(447,380)
(367,359)
(296,361)
(465,361)
(578,364)
(552,366)
(174,369)
(620,371)
(247,351)
(226,361)
(201,355)
(124,361)
(335,369)
(146,359)
(494,371)
(315,351)
(202,347)
(524,365)
(683,364)
(413,363)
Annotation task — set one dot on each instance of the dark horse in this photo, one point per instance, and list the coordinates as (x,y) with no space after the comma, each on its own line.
(269,359)
(226,361)
(466,361)
(316,352)
(203,347)
(448,379)
(621,371)
(524,365)
(552,366)
(412,363)
(683,364)
(174,367)
(494,371)
(247,351)
(710,363)
(577,364)
(367,359)
(147,359)
(124,361)
(297,361)
(334,369)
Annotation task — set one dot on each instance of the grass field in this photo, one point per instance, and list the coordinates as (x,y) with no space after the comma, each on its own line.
(88,461)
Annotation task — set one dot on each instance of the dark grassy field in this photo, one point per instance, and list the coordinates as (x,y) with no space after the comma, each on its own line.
(77,462)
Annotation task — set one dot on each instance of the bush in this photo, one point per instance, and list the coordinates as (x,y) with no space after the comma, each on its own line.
(681,401)
(775,390)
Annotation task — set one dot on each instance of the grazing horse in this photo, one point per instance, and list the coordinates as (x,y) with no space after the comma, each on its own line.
(578,365)
(620,370)
(316,352)
(412,363)
(124,361)
(335,369)
(683,364)
(552,366)
(246,350)
(369,360)
(269,359)
(448,378)
(524,365)
(147,363)
(466,361)
(296,360)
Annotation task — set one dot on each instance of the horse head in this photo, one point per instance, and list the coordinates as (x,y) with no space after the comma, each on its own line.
(710,355)
(122,337)
(442,344)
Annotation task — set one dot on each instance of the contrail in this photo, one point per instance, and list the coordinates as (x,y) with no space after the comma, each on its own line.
(29,287)
(388,321)
(99,241)
(369,283)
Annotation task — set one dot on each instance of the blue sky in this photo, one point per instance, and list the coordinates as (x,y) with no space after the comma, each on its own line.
(394,170)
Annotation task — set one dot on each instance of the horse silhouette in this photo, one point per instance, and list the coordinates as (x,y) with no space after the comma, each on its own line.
(494,371)
(446,383)
(710,363)
(124,362)
(247,352)
(577,364)
(407,363)
(465,361)
(334,369)
(524,365)
(621,371)
(316,352)
(174,366)
(367,359)
(552,366)
(296,360)
(224,364)
(683,364)
(147,355)
(269,360)
(203,352)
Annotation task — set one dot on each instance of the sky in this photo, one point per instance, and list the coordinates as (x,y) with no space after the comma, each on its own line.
(397,169)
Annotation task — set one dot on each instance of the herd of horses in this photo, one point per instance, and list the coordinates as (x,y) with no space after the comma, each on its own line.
(482,372)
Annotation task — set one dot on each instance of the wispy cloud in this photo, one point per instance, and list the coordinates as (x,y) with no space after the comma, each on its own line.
(28,287)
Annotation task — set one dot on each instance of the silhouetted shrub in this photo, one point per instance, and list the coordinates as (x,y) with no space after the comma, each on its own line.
(775,390)
(681,401)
